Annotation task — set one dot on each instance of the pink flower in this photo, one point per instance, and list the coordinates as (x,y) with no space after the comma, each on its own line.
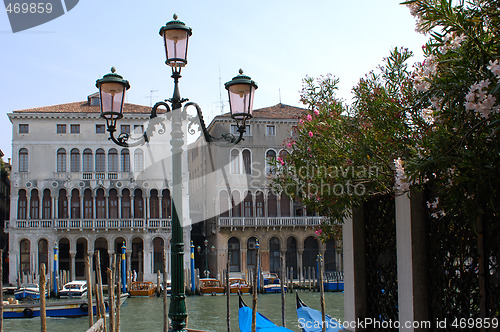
(319,231)
(316,112)
(301,121)
(289,144)
(281,161)
(309,117)
(311,134)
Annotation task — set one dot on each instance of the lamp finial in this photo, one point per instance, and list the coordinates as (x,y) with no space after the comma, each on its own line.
(241,71)
(113,69)
(176,17)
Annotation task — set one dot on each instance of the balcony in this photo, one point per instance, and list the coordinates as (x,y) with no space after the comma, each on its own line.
(92,224)
(242,222)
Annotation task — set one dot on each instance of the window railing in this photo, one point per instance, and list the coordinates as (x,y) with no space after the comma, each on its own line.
(268,221)
(79,224)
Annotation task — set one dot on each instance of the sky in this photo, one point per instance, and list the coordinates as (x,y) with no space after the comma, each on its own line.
(276,42)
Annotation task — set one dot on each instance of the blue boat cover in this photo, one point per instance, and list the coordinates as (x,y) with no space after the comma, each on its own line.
(310,319)
(262,324)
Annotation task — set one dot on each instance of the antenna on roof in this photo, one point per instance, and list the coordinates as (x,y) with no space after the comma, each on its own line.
(151,97)
(279,92)
(220,94)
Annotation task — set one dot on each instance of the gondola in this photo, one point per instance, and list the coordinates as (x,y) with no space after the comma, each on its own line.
(262,324)
(310,319)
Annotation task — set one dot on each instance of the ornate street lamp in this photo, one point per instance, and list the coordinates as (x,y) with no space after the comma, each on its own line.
(205,253)
(112,89)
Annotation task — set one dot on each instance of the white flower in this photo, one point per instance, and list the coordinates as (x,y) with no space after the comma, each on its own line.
(401,178)
(428,116)
(480,102)
(494,67)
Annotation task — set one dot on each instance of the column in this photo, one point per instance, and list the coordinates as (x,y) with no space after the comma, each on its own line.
(355,266)
(72,264)
(129,255)
(148,262)
(411,257)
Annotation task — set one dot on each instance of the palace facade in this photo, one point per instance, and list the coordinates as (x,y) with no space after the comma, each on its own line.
(230,191)
(73,187)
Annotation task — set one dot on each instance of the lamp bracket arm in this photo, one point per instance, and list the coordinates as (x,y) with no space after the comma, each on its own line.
(123,138)
(225,140)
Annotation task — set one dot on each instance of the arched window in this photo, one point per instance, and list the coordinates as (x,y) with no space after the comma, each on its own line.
(291,254)
(113,204)
(285,205)
(154,206)
(75,204)
(88,206)
(25,254)
(274,254)
(100,201)
(75,160)
(248,205)
(112,160)
(247,161)
(126,214)
(87,160)
(158,246)
(259,204)
(23,160)
(224,204)
(43,253)
(61,160)
(125,160)
(310,253)
(22,203)
(236,204)
(100,161)
(46,205)
(272,205)
(270,158)
(251,252)
(138,204)
(62,205)
(235,161)
(138,160)
(34,205)
(166,204)
(233,246)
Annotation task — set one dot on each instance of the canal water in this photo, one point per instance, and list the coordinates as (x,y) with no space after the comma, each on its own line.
(204,313)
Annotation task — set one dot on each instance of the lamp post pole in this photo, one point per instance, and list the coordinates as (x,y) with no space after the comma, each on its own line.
(177,310)
(112,88)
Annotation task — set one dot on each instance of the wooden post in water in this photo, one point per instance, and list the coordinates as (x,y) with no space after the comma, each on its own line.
(111,291)
(254,288)
(291,279)
(102,308)
(158,283)
(97,302)
(321,292)
(43,312)
(1,290)
(165,304)
(282,284)
(228,293)
(118,297)
(89,291)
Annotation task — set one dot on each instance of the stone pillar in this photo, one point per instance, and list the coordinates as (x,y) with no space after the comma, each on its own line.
(264,257)
(129,255)
(72,264)
(412,279)
(355,267)
(148,261)
(300,251)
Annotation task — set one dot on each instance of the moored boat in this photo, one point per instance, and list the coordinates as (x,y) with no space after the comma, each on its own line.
(74,289)
(238,285)
(261,322)
(310,320)
(28,291)
(270,278)
(142,288)
(211,286)
(274,288)
(68,309)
